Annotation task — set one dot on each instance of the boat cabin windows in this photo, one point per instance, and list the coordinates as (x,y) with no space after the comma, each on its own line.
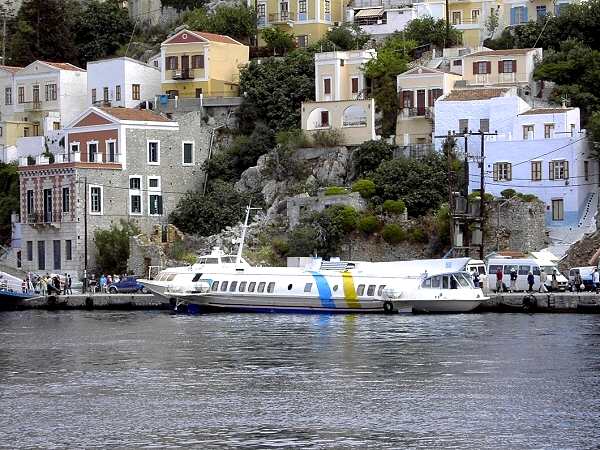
(171,276)
(360,290)
(208,261)
(251,286)
(436,282)
(308,287)
(261,287)
(380,290)
(215,286)
(224,286)
(242,286)
(371,290)
(271,287)
(196,277)
(335,288)
(450,281)
(233,286)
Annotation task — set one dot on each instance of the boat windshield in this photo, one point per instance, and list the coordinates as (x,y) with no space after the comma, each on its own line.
(457,280)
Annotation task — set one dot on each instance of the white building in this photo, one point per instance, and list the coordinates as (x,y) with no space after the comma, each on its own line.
(122,81)
(539,151)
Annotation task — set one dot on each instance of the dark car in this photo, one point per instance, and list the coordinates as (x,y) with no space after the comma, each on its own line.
(126,285)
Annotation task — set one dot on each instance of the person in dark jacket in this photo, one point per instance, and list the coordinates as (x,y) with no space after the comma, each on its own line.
(530,281)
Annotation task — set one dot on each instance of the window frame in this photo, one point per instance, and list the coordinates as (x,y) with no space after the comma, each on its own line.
(68,250)
(136,91)
(526,129)
(91,211)
(118,93)
(536,170)
(160,205)
(549,130)
(193,161)
(136,192)
(148,161)
(8,96)
(558,213)
(66,205)
(89,153)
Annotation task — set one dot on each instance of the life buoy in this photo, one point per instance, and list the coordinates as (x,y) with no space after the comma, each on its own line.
(388,307)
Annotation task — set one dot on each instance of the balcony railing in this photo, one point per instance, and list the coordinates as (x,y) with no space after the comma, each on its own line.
(282,17)
(419,111)
(182,74)
(414,151)
(41,218)
(32,106)
(387,4)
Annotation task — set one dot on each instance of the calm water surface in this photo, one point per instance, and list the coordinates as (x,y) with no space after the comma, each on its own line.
(152,380)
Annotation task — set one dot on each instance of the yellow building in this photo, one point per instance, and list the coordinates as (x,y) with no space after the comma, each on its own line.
(308,20)
(195,63)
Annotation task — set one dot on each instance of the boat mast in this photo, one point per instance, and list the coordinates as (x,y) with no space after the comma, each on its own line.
(238,258)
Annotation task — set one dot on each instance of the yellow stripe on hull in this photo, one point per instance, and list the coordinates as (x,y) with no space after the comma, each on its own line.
(349,291)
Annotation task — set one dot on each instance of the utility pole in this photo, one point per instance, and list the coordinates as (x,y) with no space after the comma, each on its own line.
(5,10)
(482,193)
(447,24)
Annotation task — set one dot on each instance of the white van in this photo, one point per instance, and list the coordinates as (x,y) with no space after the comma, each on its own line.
(522,267)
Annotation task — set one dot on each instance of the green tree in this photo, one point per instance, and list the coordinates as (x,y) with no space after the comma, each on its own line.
(593,127)
(393,234)
(208,214)
(9,199)
(421,183)
(273,91)
(492,22)
(278,40)
(43,31)
(365,187)
(112,247)
(431,31)
(182,5)
(367,157)
(236,21)
(102,28)
(347,36)
(368,224)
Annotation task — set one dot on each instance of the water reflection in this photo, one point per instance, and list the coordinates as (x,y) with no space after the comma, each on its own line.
(79,379)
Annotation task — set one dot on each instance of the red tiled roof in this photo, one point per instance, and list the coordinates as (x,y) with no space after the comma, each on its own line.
(143,115)
(545,111)
(64,66)
(474,94)
(514,51)
(217,37)
(12,69)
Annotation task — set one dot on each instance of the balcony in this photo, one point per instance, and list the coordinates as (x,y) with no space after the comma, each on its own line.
(415,151)
(419,111)
(47,218)
(386,4)
(282,17)
(102,103)
(182,74)
(32,106)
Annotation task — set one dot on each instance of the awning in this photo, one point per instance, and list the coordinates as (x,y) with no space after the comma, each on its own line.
(369,12)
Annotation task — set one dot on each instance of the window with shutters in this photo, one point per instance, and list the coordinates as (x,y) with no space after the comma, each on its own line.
(21,94)
(8,96)
(327,86)
(118,93)
(463,125)
(155,202)
(475,15)
(407,99)
(456,17)
(548,130)
(354,81)
(197,61)
(508,66)
(528,132)
(558,209)
(484,125)
(171,63)
(324,119)
(559,170)
(135,91)
(93,95)
(502,171)
(536,170)
(483,67)
(434,94)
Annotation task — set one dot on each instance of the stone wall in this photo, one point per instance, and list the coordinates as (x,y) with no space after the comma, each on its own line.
(303,204)
(516,225)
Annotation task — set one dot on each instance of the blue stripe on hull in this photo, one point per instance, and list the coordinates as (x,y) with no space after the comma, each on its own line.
(324,290)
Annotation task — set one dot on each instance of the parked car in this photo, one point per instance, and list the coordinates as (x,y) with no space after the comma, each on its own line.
(586,277)
(126,285)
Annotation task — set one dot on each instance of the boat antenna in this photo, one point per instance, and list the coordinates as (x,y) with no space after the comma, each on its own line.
(238,258)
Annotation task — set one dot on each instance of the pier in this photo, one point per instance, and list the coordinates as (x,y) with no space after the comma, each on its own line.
(131,302)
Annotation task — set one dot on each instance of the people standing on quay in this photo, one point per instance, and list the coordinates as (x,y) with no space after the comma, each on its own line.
(43,286)
(499,275)
(475,277)
(68,283)
(543,279)
(596,280)
(578,281)
(530,281)
(513,280)
(554,282)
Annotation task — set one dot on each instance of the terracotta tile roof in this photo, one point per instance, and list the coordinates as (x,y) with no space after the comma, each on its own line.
(135,114)
(217,37)
(11,69)
(64,66)
(474,94)
(514,51)
(545,111)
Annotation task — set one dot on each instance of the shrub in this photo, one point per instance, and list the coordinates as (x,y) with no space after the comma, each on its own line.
(418,235)
(280,246)
(508,193)
(393,234)
(368,224)
(365,187)
(112,247)
(328,138)
(367,157)
(336,190)
(442,224)
(277,39)
(293,139)
(345,217)
(528,197)
(475,196)
(394,206)
(304,241)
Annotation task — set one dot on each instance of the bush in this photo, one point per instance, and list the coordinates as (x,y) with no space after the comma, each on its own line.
(293,139)
(328,138)
(393,234)
(528,197)
(178,252)
(277,39)
(476,196)
(280,246)
(112,247)
(336,190)
(304,241)
(394,206)
(442,224)
(369,155)
(368,224)
(418,235)
(508,193)
(365,187)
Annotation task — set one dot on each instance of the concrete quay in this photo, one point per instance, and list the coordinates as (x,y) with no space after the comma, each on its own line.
(559,302)
(129,302)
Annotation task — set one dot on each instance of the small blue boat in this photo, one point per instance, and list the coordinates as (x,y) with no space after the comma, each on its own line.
(10,299)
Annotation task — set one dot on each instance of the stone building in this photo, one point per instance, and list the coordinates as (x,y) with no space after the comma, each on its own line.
(303,204)
(118,164)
